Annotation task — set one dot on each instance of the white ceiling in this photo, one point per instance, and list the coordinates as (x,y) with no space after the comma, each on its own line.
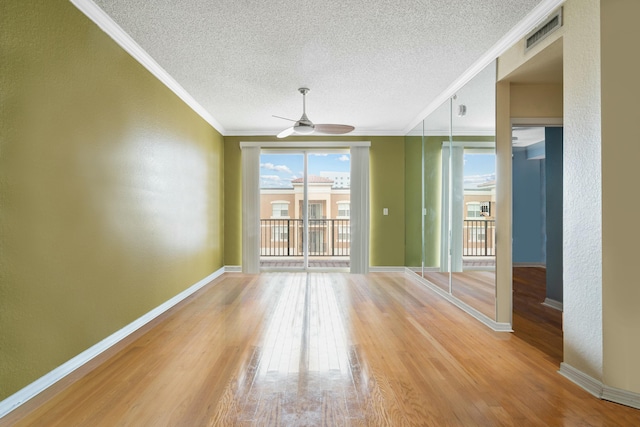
(377,65)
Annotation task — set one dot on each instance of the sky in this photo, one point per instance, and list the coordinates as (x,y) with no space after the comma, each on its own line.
(277,170)
(478,169)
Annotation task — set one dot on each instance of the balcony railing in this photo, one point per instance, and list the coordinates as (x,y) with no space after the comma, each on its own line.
(284,237)
(332,237)
(479,237)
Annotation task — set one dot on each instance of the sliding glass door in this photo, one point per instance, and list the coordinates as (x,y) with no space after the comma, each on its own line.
(305,209)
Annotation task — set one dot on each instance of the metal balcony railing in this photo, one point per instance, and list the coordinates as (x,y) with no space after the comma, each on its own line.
(284,237)
(332,237)
(479,237)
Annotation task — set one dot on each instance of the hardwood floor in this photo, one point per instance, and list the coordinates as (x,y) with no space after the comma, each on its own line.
(315,349)
(533,322)
(475,288)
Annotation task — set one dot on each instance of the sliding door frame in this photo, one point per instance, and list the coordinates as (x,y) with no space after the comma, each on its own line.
(359,150)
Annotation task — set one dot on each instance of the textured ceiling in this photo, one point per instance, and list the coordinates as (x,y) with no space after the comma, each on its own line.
(373,64)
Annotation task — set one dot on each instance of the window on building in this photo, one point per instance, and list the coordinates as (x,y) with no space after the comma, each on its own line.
(485,208)
(315,210)
(344,210)
(279,233)
(279,210)
(344,233)
(473,210)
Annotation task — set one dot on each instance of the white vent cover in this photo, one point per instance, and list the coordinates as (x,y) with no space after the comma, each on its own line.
(543,30)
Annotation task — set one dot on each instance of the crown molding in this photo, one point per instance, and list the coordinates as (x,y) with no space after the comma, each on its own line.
(124,40)
(520,30)
(303,144)
(272,133)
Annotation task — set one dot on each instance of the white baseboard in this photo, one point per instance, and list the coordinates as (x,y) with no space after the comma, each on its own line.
(598,389)
(47,380)
(479,268)
(585,381)
(386,269)
(233,269)
(548,302)
(418,270)
(623,397)
(496,326)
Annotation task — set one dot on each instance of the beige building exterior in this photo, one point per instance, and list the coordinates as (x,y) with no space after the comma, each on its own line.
(281,216)
(479,220)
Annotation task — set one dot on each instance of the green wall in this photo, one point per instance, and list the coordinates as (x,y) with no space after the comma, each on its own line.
(432,198)
(413,200)
(233,200)
(387,190)
(110,190)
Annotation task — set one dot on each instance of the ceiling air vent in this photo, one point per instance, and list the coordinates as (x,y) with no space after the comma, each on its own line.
(541,32)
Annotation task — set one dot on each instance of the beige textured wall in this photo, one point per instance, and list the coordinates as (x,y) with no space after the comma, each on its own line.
(582,178)
(536,100)
(530,101)
(504,164)
(516,55)
(620,204)
(582,191)
(110,190)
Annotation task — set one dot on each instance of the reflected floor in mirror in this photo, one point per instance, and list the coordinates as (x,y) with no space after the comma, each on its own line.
(475,288)
(534,322)
(311,349)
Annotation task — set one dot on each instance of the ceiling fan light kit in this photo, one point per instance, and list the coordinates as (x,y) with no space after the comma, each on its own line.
(304,126)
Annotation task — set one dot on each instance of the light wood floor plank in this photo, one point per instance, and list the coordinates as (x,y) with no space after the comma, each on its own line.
(293,349)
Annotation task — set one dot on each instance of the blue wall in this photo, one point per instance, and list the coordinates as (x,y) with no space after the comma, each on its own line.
(528,209)
(553,172)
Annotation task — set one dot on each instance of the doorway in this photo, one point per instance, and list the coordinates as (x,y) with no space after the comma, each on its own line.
(304,209)
(537,181)
(358,210)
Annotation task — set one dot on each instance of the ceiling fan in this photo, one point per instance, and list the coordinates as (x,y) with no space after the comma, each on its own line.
(304,126)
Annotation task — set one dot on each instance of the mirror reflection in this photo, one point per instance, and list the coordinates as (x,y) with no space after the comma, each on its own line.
(437,137)
(473,192)
(453,151)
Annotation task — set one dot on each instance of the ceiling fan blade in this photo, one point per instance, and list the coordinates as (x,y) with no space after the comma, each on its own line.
(283,118)
(304,126)
(285,133)
(333,129)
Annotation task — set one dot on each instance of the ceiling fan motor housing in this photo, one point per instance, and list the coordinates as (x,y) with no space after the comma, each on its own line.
(303,128)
